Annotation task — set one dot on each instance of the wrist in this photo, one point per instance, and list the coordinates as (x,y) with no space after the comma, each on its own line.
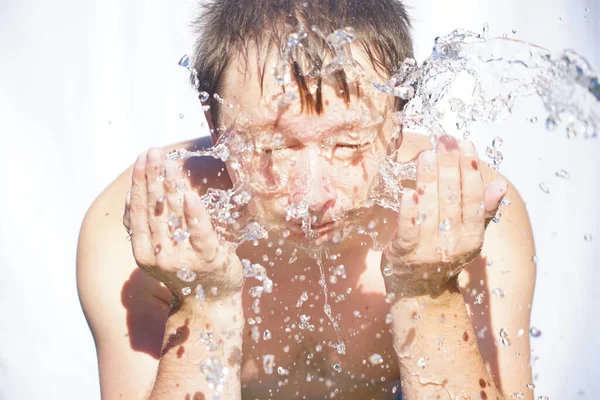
(413,283)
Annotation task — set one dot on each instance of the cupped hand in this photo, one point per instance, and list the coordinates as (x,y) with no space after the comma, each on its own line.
(171,233)
(441,225)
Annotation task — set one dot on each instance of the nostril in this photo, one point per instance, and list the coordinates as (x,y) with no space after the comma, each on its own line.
(297,197)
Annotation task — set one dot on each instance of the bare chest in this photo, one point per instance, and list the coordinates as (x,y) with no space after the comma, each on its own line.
(319,329)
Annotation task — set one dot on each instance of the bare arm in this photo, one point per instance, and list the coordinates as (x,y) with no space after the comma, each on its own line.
(202,351)
(508,272)
(129,329)
(437,349)
(433,335)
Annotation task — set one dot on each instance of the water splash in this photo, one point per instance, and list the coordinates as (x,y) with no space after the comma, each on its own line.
(496,73)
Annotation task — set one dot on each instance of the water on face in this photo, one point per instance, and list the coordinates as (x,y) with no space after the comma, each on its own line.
(495,71)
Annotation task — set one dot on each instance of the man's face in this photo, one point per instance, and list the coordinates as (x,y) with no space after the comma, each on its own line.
(310,175)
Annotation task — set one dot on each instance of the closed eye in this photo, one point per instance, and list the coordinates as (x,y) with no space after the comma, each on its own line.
(352,146)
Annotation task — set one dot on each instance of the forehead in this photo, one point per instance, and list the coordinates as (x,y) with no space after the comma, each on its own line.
(259,99)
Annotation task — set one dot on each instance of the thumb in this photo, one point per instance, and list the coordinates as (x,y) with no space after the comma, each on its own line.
(494,193)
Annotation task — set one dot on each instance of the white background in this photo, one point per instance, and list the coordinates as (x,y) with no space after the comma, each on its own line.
(87,85)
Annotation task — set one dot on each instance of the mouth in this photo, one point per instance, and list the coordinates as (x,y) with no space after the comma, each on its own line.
(316,228)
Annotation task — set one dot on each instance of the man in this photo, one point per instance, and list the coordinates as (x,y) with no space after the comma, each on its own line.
(391,321)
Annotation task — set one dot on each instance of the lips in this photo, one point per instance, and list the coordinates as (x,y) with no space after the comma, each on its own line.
(317,228)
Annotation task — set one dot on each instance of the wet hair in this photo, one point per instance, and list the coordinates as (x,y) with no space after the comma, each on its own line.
(228,29)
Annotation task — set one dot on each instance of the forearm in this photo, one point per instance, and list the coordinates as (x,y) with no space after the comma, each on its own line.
(202,351)
(437,349)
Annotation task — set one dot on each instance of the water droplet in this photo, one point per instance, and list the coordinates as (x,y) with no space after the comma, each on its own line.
(180,115)
(497,142)
(203,96)
(422,362)
(268,363)
(184,61)
(530,386)
(174,222)
(535,332)
(545,188)
(390,297)
(376,359)
(215,373)
(387,271)
(199,293)
(356,314)
(186,291)
(281,73)
(445,225)
(514,31)
(267,334)
(535,259)
(337,367)
(563,174)
(499,293)
(533,120)
(479,298)
(268,285)
(587,238)
(388,318)
(180,235)
(282,371)
(486,30)
(255,333)
(551,123)
(186,275)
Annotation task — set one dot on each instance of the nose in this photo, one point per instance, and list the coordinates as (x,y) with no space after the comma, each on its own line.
(321,196)
(316,189)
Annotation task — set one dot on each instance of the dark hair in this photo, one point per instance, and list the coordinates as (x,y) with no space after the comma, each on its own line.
(230,28)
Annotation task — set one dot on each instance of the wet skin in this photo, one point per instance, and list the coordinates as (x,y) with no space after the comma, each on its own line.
(363,336)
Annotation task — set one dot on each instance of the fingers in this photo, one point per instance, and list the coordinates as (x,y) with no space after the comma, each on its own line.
(427,189)
(158,215)
(408,228)
(126,213)
(203,238)
(174,186)
(473,218)
(494,193)
(449,189)
(138,214)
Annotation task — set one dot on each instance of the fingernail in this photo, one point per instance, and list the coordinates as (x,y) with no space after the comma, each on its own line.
(466,147)
(154,155)
(448,142)
(141,160)
(427,156)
